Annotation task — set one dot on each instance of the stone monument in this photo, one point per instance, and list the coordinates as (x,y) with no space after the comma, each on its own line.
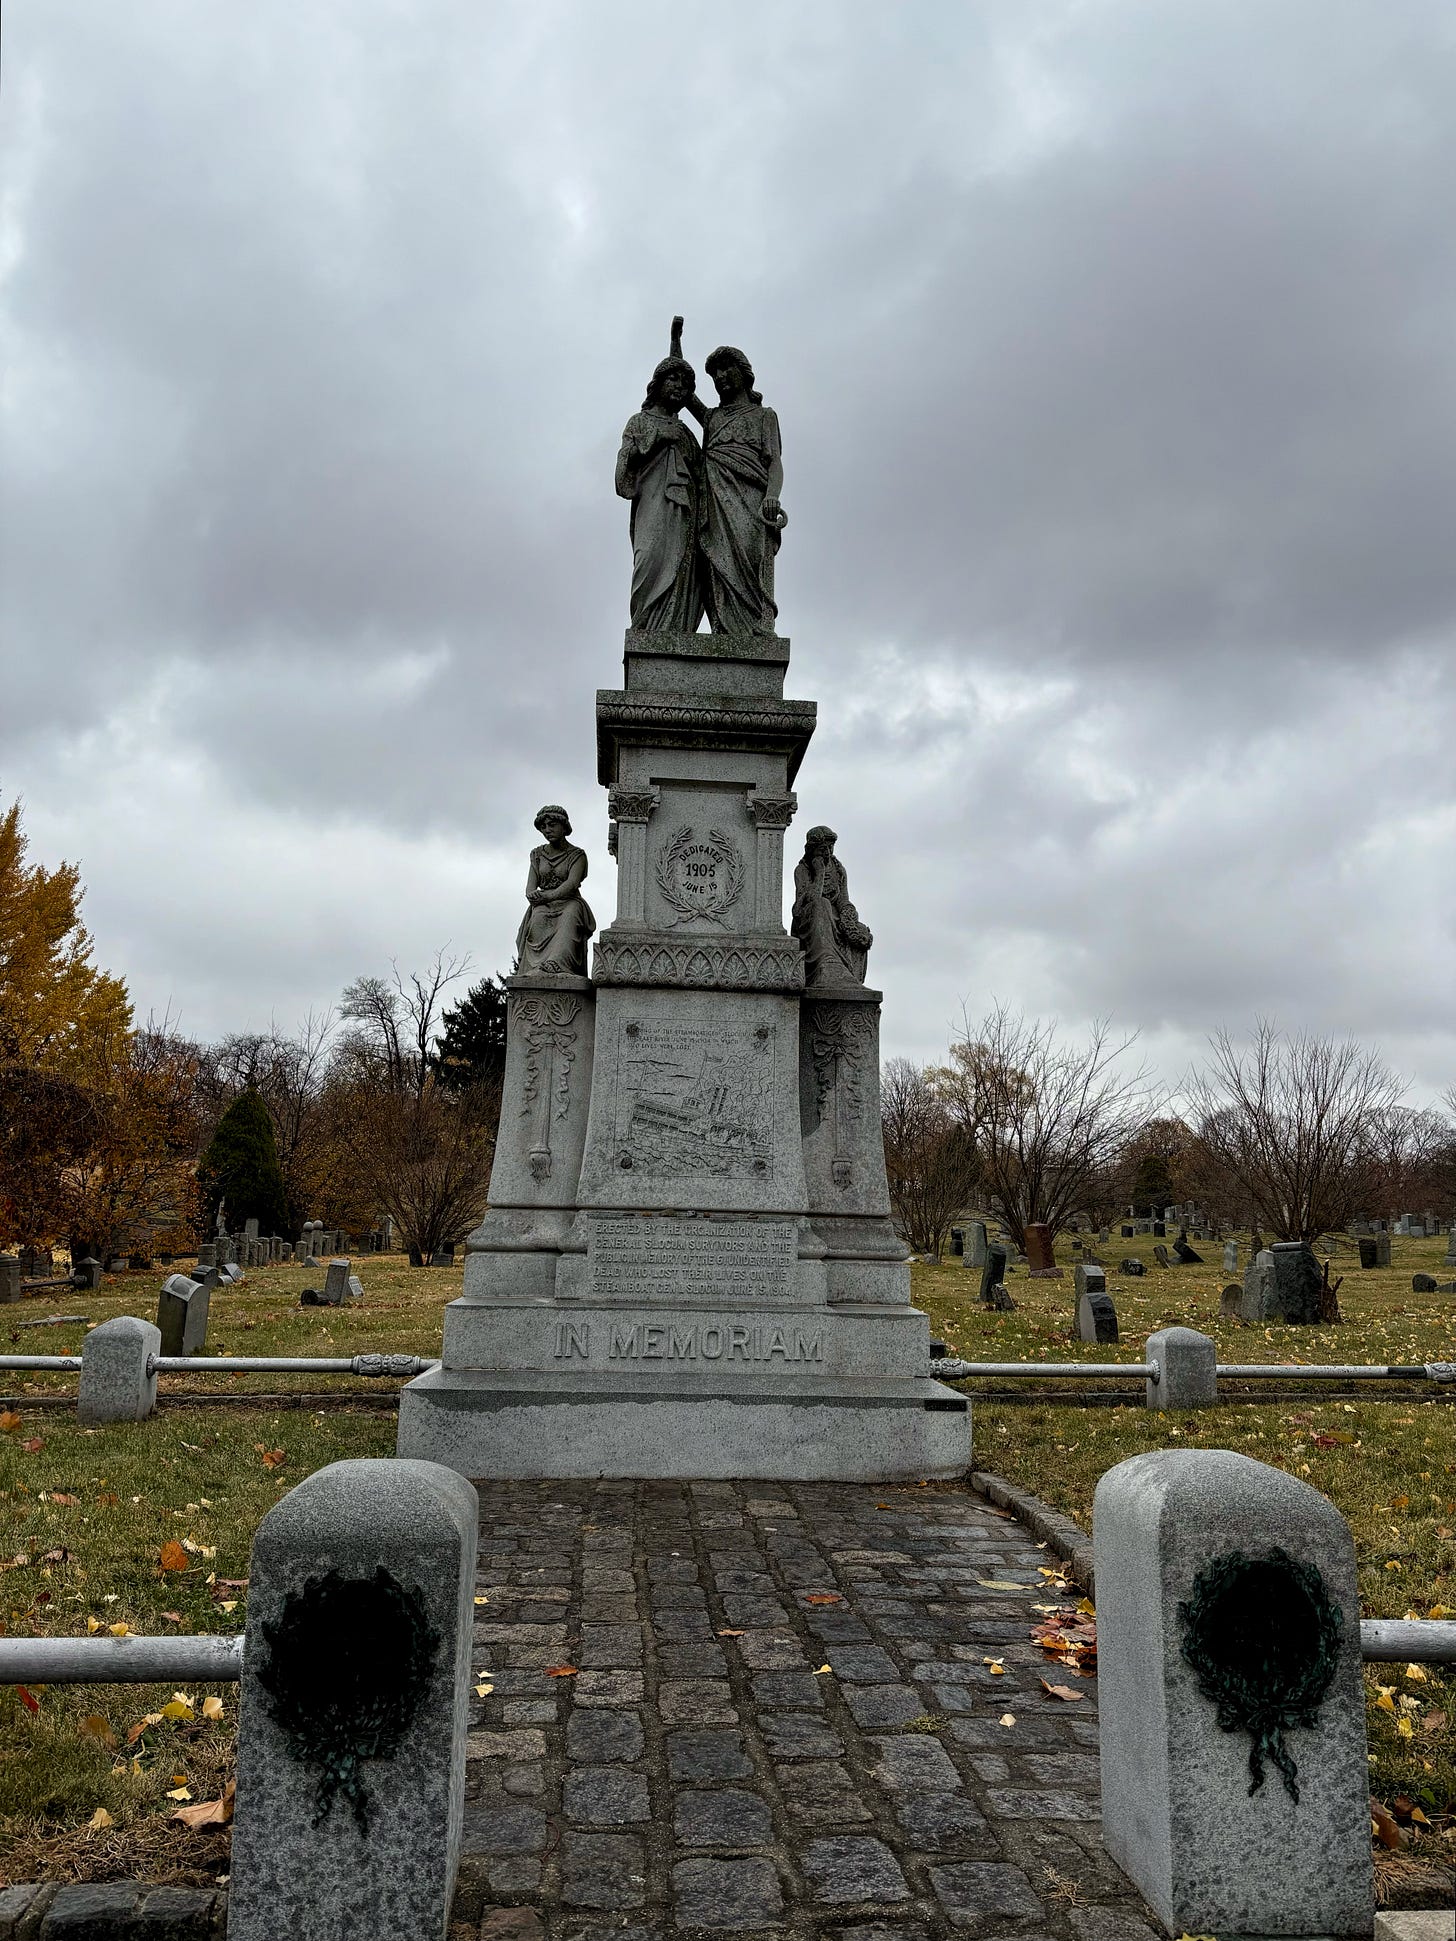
(688,1266)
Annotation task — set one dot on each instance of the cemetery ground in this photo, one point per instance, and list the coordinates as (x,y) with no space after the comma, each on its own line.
(149,1525)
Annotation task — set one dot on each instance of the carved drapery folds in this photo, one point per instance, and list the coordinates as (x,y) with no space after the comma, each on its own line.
(551,1036)
(839,1038)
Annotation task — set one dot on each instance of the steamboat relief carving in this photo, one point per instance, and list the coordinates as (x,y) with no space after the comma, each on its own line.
(695,1099)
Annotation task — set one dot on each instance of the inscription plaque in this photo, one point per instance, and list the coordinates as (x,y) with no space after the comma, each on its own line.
(694,1260)
(695,1099)
(687,1341)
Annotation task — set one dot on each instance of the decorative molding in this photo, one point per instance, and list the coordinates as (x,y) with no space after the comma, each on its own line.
(632,805)
(773,811)
(839,1037)
(550,1051)
(717,851)
(705,963)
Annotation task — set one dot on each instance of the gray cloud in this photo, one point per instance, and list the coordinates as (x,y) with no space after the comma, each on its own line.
(1114,349)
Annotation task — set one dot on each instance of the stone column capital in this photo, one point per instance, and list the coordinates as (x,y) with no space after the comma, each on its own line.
(773,811)
(631,804)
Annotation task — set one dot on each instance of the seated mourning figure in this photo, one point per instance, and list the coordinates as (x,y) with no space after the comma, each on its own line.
(554,931)
(836,944)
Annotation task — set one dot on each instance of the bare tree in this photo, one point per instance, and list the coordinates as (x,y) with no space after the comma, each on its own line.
(398,1018)
(422,1157)
(289,1074)
(1295,1126)
(929,1161)
(1048,1119)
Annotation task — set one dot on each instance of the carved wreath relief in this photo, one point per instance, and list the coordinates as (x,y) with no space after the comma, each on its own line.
(837,1038)
(699,876)
(550,1050)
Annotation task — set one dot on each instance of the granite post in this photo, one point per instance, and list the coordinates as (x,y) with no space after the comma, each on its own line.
(9,1277)
(355,1704)
(1187,1363)
(115,1383)
(975,1255)
(1235,1792)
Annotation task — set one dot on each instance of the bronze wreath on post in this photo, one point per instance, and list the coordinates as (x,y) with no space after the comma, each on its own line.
(1262,1634)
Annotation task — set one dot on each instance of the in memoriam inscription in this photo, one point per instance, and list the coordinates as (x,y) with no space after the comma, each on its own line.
(670,1260)
(686,1341)
(695,1099)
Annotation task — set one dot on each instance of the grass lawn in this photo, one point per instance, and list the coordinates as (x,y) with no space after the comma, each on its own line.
(199,1474)
(1388,1465)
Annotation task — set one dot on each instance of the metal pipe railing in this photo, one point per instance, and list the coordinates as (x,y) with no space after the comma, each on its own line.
(119,1661)
(948,1370)
(167,1660)
(400,1365)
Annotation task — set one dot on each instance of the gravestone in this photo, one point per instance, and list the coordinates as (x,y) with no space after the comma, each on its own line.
(1040,1257)
(182,1315)
(1297,1282)
(1160,1229)
(1132,1267)
(1186,1255)
(1231,1256)
(1104,1236)
(1127,1230)
(993,1271)
(1235,1789)
(1230,1301)
(1423,1283)
(207,1254)
(1382,1248)
(1160,1254)
(116,1385)
(1451,1248)
(87,1273)
(250,1229)
(207,1277)
(1366,1244)
(336,1283)
(1258,1302)
(10,1277)
(957,1243)
(975,1255)
(1096,1315)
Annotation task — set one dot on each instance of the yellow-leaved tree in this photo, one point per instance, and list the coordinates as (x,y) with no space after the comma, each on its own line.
(59,1017)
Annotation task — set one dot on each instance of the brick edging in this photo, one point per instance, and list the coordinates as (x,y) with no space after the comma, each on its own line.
(1068,1539)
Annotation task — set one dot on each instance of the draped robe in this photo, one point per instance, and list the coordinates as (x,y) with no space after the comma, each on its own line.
(740,443)
(657,469)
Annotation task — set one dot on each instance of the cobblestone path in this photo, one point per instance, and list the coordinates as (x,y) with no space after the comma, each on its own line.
(782,1717)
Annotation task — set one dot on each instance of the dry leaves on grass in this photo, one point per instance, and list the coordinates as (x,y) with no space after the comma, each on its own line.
(9,1422)
(213,1812)
(173,1556)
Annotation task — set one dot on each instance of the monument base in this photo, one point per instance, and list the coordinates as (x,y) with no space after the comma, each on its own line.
(488,1424)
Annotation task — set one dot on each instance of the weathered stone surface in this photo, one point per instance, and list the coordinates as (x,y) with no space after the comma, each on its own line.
(742,1894)
(398,1539)
(850,1867)
(1187,1369)
(115,1385)
(728,1819)
(1212,1855)
(605,1796)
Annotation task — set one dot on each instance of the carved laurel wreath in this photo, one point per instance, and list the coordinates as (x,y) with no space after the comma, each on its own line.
(724,851)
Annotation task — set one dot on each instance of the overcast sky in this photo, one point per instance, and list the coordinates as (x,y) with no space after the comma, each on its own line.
(1114,347)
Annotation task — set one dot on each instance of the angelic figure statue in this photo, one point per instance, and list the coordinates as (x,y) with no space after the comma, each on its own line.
(554,930)
(836,944)
(659,468)
(706,524)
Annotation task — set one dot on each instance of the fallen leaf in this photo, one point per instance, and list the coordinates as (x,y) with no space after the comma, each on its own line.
(997,1667)
(213,1812)
(1419,1817)
(120,1630)
(93,1625)
(1062,1691)
(1007,1718)
(884,1506)
(99,1819)
(172,1617)
(28,1698)
(561,1671)
(824,1597)
(32,1444)
(272,1458)
(178,1708)
(1385,1703)
(108,1496)
(1383,1824)
(999,1584)
(1433,1723)
(484,1691)
(61,1556)
(94,1726)
(730,1634)
(819,1670)
(228,1604)
(173,1556)
(1417,1674)
(152,1718)
(1087,1608)
(9,1422)
(60,1496)
(1405,1728)
(481,1600)
(179,1792)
